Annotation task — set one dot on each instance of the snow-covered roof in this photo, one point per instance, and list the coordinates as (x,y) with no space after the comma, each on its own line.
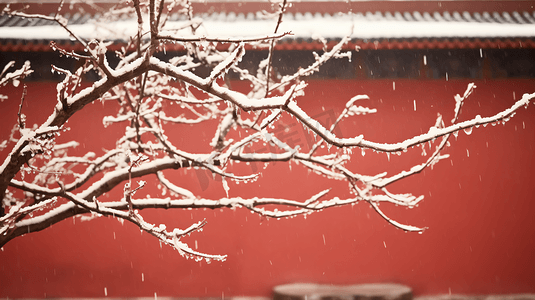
(369,29)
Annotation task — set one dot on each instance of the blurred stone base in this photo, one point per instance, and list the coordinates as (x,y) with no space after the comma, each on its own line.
(428,297)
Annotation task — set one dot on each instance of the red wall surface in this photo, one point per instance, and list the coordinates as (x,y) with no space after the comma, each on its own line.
(478,205)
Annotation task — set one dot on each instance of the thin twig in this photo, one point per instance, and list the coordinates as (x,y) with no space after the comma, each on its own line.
(21,117)
(139,27)
(272,45)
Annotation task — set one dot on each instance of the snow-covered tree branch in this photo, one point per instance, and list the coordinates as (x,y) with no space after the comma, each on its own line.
(42,184)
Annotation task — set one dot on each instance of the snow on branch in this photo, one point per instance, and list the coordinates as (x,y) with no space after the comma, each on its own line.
(432,134)
(16,76)
(156,96)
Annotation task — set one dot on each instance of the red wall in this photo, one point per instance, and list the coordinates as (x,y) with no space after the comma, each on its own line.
(478,205)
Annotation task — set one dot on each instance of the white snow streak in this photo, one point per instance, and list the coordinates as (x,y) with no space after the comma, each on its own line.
(334,27)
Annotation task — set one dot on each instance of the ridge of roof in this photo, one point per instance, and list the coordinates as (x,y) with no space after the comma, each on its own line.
(524,17)
(326,6)
(400,29)
(302,25)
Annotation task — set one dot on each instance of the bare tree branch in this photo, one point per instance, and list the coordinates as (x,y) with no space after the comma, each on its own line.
(153,94)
